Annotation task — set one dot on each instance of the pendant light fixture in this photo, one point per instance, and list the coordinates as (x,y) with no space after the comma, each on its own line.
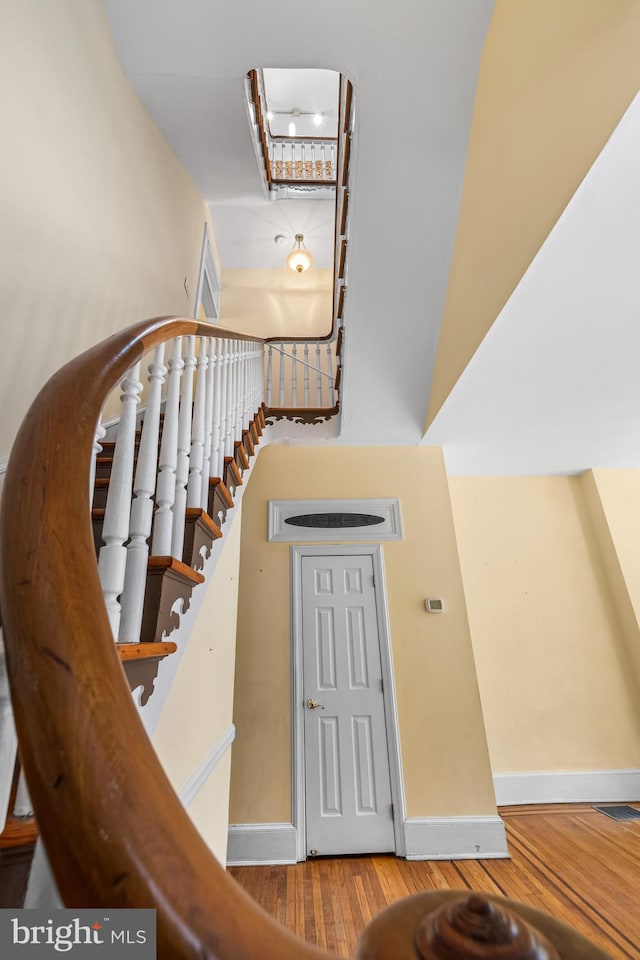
(299,259)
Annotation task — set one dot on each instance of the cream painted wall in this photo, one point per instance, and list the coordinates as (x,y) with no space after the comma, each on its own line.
(554,81)
(277,303)
(444,753)
(198,710)
(100,222)
(552,662)
(613,497)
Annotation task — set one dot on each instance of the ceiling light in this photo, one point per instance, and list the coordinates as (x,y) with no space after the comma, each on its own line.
(292,129)
(317,119)
(299,259)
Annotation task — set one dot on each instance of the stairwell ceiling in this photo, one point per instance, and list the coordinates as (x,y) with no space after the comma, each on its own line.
(414,66)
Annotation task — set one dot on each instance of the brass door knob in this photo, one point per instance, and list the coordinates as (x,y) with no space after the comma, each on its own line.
(313,704)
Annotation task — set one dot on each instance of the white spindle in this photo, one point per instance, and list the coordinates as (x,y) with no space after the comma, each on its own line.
(97,450)
(212,373)
(318,377)
(8,741)
(166,483)
(294,377)
(184,447)
(198,430)
(132,600)
(334,172)
(281,391)
(217,440)
(228,420)
(332,394)
(22,807)
(115,530)
(246,385)
(269,374)
(306,374)
(237,432)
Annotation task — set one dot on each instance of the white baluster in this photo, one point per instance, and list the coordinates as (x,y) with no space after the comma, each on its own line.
(228,425)
(208,421)
(324,164)
(269,374)
(115,529)
(281,391)
(304,172)
(332,394)
(306,374)
(334,172)
(196,453)
(135,578)
(239,391)
(246,384)
(166,483)
(294,377)
(8,741)
(224,376)
(97,450)
(217,436)
(184,447)
(318,377)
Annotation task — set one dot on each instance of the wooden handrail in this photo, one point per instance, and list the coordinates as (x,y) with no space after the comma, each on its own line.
(87,758)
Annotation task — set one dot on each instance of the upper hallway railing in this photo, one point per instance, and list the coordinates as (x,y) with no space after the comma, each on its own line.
(87,758)
(309,164)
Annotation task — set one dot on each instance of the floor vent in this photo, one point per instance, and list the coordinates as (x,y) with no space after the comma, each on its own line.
(621,812)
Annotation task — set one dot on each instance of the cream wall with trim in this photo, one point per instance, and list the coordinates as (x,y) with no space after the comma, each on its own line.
(277,303)
(199,707)
(614,502)
(552,660)
(443,746)
(100,222)
(554,81)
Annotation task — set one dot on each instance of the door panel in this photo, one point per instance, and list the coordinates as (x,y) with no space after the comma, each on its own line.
(347,781)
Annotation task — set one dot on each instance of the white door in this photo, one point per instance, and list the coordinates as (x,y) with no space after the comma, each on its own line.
(347,780)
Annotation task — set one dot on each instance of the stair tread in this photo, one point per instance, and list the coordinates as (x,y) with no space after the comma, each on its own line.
(160,564)
(145,651)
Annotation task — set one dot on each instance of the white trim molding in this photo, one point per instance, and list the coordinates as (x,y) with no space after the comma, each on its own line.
(566,786)
(388,509)
(261,843)
(199,777)
(455,838)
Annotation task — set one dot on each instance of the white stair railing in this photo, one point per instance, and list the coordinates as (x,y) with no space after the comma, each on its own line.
(317,362)
(193,410)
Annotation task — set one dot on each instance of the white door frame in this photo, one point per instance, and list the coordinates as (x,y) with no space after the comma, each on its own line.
(298,813)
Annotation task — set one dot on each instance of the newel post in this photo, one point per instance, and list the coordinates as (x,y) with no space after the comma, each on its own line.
(457,925)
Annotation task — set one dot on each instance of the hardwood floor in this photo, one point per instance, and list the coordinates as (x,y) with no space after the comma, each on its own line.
(569,860)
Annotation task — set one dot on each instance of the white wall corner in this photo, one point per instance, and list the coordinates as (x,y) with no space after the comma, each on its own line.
(200,776)
(261,843)
(455,838)
(566,786)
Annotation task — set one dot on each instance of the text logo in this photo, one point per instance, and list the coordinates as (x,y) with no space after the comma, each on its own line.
(80,934)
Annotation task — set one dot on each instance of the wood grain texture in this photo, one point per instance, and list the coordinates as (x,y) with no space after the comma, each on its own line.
(87,758)
(567,860)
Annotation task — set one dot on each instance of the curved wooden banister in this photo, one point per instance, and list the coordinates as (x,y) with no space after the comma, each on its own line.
(115,832)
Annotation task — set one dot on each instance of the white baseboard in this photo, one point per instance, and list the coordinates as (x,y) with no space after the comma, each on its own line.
(256,843)
(198,777)
(566,786)
(455,838)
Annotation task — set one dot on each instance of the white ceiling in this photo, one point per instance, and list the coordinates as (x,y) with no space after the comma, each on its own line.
(414,65)
(555,385)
